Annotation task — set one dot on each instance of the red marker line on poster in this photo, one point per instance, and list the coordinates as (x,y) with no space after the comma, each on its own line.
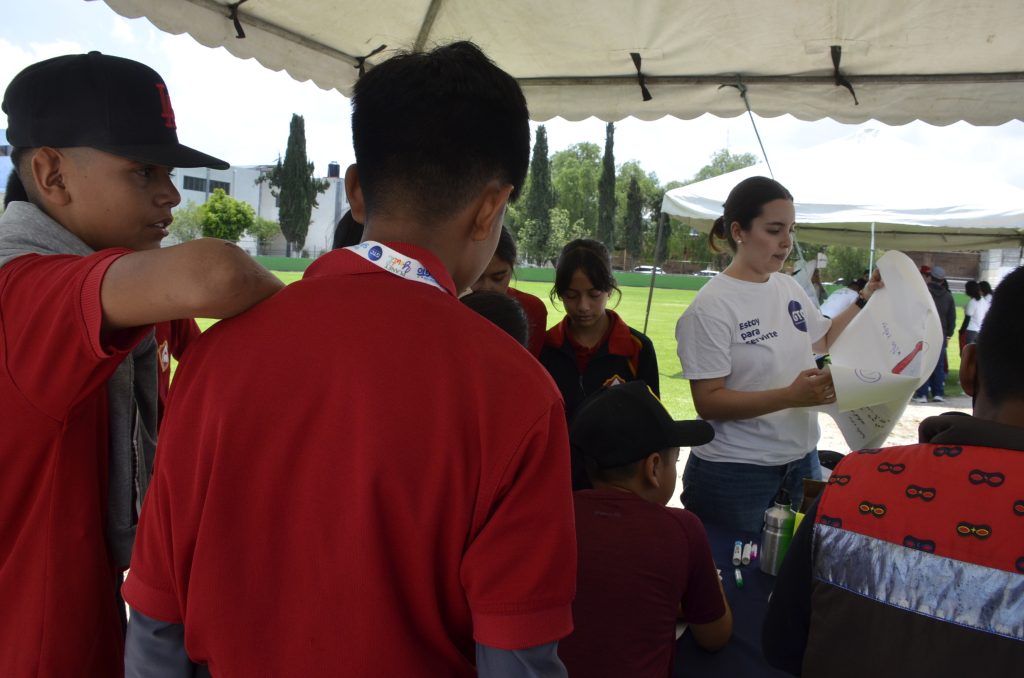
(902,365)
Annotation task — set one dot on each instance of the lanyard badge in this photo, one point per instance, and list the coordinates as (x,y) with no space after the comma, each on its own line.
(395,262)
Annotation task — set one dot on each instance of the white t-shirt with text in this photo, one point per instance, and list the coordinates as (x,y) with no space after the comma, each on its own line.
(758,336)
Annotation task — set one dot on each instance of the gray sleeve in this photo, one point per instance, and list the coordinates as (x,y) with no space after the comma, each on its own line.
(156,649)
(533,662)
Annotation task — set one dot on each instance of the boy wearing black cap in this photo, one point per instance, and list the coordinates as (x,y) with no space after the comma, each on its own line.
(82,280)
(641,564)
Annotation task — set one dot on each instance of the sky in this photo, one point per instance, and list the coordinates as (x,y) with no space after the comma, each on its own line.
(240,111)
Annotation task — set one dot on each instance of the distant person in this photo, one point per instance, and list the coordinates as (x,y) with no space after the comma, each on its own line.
(642,565)
(502,310)
(912,561)
(843,298)
(497,276)
(974,312)
(935,277)
(426,532)
(747,345)
(82,281)
(592,347)
(820,293)
(986,289)
(348,232)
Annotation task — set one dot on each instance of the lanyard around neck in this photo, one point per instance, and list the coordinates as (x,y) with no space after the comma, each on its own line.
(395,262)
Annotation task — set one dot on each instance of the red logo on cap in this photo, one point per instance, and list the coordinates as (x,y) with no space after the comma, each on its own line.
(166,112)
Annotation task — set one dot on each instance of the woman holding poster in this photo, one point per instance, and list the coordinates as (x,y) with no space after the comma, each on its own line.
(747,345)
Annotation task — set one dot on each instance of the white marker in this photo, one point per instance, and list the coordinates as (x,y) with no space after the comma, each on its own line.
(745,558)
(737,553)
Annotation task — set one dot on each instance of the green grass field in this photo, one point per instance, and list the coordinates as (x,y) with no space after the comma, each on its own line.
(666,307)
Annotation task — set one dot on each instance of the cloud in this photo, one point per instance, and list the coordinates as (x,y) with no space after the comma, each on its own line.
(121,31)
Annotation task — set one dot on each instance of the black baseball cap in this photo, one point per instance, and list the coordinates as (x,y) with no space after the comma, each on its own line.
(105,102)
(626,423)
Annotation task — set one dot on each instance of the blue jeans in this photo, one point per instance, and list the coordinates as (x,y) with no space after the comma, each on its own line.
(937,381)
(735,496)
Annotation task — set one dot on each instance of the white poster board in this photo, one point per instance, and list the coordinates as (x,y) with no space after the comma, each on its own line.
(886,352)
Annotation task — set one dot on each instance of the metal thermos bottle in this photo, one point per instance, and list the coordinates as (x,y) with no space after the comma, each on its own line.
(778,532)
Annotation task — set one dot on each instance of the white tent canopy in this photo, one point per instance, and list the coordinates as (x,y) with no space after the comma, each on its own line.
(915,199)
(938,61)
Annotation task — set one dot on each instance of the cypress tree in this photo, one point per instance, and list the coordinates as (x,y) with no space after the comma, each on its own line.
(606,191)
(634,218)
(296,187)
(540,199)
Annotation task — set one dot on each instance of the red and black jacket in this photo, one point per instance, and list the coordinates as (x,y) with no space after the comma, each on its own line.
(626,355)
(913,559)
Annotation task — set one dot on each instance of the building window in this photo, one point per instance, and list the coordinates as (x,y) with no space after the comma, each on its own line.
(195,184)
(223,185)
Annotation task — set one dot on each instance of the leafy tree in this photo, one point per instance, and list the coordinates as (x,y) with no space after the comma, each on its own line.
(606,191)
(575,173)
(264,230)
(293,184)
(187,224)
(563,231)
(846,262)
(634,219)
(663,248)
(224,217)
(722,162)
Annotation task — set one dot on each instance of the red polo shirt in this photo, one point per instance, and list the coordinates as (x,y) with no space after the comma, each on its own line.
(359,476)
(536,318)
(58,615)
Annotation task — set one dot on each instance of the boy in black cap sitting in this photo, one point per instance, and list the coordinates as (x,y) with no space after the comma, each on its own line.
(82,281)
(641,565)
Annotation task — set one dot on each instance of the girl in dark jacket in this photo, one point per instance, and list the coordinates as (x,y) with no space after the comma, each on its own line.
(592,347)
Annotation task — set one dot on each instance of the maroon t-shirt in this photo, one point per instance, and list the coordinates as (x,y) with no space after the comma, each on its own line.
(638,561)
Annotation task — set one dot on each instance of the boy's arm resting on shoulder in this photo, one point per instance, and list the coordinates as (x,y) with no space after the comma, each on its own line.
(788,620)
(204,278)
(541,661)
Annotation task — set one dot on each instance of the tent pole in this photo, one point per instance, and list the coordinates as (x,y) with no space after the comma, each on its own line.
(871,255)
(654,272)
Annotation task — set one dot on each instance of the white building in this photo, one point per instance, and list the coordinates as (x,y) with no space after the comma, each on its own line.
(197,184)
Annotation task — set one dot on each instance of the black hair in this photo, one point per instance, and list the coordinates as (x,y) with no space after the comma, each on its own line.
(15,188)
(348,232)
(972,289)
(743,205)
(1000,360)
(506,250)
(858,284)
(502,310)
(589,256)
(431,129)
(986,289)
(622,473)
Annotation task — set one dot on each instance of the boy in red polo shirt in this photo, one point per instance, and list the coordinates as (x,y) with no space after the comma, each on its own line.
(82,280)
(425,531)
(641,565)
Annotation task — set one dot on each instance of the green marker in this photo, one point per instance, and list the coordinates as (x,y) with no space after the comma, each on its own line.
(739,578)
